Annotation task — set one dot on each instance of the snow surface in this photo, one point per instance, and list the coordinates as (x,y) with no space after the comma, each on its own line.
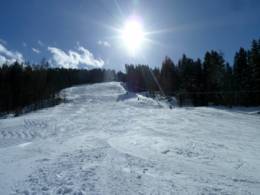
(108,141)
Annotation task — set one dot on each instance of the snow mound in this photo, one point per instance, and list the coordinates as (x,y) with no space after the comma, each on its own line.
(138,100)
(144,100)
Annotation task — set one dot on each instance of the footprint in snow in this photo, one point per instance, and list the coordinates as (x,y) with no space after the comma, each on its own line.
(165,151)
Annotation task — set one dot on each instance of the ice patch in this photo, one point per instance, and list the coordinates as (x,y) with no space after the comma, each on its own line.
(24,144)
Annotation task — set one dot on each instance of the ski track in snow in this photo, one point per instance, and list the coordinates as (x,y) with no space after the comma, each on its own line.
(108,141)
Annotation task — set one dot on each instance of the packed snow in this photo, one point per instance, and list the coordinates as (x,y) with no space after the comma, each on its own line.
(105,140)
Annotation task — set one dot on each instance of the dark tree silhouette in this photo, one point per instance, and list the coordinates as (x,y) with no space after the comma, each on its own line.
(212,81)
(168,76)
(22,85)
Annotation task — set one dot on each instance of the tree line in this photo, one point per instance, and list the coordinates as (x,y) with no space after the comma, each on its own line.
(211,81)
(22,85)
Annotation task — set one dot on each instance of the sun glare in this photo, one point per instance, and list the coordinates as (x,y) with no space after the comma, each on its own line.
(133,35)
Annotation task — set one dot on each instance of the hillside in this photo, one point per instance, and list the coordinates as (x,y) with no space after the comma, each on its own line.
(105,140)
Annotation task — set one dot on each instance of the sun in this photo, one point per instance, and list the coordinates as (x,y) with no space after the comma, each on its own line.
(133,35)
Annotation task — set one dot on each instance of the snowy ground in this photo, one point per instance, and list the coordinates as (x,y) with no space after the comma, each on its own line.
(105,141)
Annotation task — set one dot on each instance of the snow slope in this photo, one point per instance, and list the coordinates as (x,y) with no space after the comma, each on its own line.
(108,141)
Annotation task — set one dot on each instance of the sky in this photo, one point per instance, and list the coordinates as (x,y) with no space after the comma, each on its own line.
(88,33)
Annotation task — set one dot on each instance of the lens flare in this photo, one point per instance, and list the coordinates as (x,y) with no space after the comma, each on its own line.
(133,35)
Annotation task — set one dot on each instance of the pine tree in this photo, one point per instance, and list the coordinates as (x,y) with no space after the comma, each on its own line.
(214,66)
(254,63)
(228,95)
(168,76)
(242,71)
(213,72)
(186,72)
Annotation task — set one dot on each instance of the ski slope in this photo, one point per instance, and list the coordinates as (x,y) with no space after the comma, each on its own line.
(107,141)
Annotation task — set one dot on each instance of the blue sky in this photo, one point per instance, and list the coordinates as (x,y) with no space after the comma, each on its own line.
(81,33)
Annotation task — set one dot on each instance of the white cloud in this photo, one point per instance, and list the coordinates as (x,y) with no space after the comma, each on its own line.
(40,43)
(36,50)
(9,57)
(81,58)
(104,43)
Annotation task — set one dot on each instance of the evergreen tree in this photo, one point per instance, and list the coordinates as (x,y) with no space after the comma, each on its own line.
(168,77)
(25,85)
(228,86)
(254,63)
(242,73)
(214,67)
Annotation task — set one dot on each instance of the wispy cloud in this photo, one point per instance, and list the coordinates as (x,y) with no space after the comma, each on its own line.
(8,56)
(81,58)
(104,43)
(36,50)
(2,41)
(40,43)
